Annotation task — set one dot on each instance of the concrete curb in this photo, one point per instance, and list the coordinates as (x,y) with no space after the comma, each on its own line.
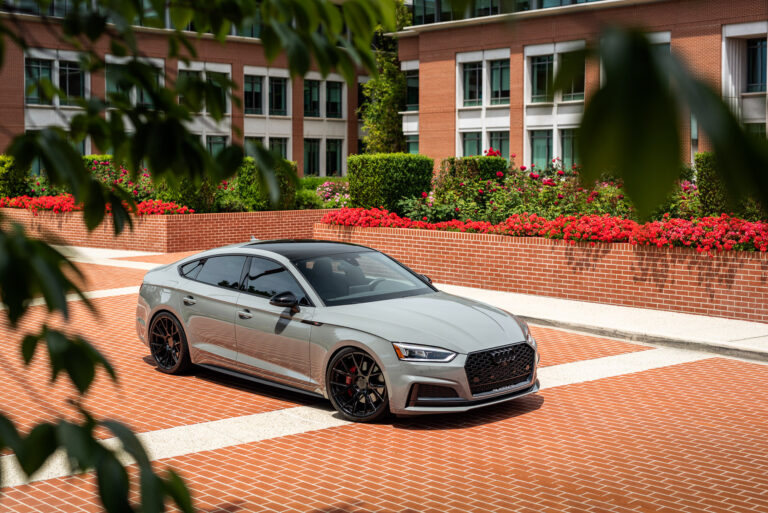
(693,345)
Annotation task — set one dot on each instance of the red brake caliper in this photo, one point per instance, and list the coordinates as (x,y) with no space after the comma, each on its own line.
(349,380)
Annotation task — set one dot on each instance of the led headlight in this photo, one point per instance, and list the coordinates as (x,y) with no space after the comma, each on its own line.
(414,353)
(531,340)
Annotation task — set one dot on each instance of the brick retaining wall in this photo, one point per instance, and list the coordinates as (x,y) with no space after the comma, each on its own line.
(733,285)
(169,233)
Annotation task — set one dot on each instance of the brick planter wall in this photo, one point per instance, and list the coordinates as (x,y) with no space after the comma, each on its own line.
(168,233)
(733,285)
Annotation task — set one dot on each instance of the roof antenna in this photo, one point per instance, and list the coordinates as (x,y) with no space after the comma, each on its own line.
(254,239)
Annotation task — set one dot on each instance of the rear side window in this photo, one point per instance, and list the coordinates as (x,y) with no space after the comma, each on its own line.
(192,269)
(222,271)
(267,278)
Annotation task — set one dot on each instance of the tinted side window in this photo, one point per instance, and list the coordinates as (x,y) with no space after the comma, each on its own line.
(192,269)
(222,271)
(267,278)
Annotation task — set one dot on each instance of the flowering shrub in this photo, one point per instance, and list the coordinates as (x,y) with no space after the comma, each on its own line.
(706,235)
(334,194)
(66,203)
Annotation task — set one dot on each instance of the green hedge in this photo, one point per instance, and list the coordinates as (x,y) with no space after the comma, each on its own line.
(12,179)
(383,179)
(455,170)
(313,182)
(712,194)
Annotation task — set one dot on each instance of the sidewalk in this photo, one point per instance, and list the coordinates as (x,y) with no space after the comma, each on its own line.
(724,336)
(730,337)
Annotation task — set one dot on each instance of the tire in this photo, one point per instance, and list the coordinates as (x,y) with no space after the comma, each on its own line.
(356,386)
(168,344)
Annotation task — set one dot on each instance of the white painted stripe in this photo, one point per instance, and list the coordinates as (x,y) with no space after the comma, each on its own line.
(95,294)
(116,263)
(86,252)
(177,441)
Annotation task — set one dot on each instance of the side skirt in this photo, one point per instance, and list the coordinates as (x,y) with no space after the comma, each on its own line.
(261,381)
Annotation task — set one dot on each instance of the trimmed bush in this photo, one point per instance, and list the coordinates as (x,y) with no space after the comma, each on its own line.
(307,199)
(12,179)
(383,179)
(255,196)
(455,170)
(712,194)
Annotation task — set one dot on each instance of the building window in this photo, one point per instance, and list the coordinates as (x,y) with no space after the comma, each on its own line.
(219,82)
(424,11)
(486,7)
(756,129)
(143,97)
(71,82)
(412,90)
(569,153)
(250,145)
(333,157)
(116,84)
(311,157)
(541,78)
(412,143)
(541,148)
(35,71)
(499,141)
(250,30)
(575,92)
(252,94)
(362,99)
(186,76)
(500,82)
(277,96)
(473,83)
(312,98)
(333,99)
(756,65)
(149,17)
(215,143)
(470,143)
(279,145)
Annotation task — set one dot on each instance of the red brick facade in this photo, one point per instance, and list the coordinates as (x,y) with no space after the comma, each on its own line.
(733,285)
(695,28)
(170,233)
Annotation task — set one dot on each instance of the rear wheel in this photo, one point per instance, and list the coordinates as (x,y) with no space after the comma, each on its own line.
(356,386)
(168,344)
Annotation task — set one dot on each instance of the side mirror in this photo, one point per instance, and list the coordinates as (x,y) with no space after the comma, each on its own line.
(426,278)
(285,300)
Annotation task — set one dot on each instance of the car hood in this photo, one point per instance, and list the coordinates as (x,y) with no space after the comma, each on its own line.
(442,320)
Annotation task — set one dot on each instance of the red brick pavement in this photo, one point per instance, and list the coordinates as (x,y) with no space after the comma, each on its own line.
(100,277)
(666,440)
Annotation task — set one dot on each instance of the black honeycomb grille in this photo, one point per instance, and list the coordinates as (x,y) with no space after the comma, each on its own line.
(499,368)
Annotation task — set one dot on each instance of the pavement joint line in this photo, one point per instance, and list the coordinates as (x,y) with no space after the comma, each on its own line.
(219,434)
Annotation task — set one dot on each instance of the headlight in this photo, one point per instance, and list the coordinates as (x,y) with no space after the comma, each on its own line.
(413,353)
(531,340)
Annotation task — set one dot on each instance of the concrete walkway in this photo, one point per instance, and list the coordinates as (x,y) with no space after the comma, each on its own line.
(658,327)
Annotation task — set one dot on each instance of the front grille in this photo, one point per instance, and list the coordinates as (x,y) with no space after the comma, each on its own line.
(500,367)
(436,392)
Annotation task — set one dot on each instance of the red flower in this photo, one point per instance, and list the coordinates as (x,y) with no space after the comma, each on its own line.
(560,172)
(523,168)
(499,174)
(424,194)
(534,175)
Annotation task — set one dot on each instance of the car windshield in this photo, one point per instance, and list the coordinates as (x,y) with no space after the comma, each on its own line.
(359,277)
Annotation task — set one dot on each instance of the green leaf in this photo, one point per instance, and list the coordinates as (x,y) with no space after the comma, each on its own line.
(82,448)
(28,348)
(113,484)
(181,16)
(36,448)
(9,436)
(175,488)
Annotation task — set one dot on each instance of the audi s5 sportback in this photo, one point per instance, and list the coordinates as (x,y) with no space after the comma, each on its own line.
(336,320)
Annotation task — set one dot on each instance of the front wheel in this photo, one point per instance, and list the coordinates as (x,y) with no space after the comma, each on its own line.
(356,386)
(168,344)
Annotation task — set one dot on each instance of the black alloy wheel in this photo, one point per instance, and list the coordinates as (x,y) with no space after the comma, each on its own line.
(168,344)
(356,386)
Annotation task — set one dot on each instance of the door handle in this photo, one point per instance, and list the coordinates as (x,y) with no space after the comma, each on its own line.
(189,301)
(244,314)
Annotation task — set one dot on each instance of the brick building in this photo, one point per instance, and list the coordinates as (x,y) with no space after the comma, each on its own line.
(312,120)
(481,81)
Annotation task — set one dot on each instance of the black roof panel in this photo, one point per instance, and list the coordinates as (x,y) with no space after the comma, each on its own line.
(297,249)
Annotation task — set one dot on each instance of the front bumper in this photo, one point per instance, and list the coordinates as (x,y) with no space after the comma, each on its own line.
(407,377)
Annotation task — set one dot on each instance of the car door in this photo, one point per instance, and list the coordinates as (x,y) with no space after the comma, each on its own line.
(208,306)
(273,341)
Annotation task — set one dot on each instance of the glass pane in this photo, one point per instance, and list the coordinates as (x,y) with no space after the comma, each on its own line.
(250,145)
(216,143)
(541,148)
(576,91)
(412,90)
(756,128)
(541,75)
(186,75)
(252,94)
(473,84)
(71,81)
(333,157)
(218,81)
(223,271)
(500,141)
(35,71)
(333,99)
(471,143)
(312,98)
(756,65)
(499,82)
(267,278)
(279,145)
(250,30)
(311,156)
(412,144)
(277,100)
(569,156)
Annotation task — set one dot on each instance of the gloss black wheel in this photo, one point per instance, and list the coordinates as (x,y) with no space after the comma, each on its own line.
(168,344)
(356,386)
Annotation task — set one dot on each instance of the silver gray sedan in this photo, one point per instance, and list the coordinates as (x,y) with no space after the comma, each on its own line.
(340,321)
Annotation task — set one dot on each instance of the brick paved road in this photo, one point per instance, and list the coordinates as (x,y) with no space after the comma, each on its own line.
(687,437)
